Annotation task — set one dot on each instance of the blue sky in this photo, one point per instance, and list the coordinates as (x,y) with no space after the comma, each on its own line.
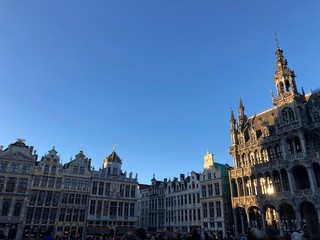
(156,78)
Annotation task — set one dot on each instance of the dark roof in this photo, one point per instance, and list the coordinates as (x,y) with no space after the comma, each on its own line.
(113,157)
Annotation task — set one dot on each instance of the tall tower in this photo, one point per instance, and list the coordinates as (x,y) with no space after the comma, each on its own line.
(284,79)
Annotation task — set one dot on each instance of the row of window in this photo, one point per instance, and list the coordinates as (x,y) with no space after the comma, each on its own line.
(211,209)
(106,208)
(207,190)
(104,189)
(14,167)
(13,185)
(9,205)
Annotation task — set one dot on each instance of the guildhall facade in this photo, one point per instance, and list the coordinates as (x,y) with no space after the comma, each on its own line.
(275,181)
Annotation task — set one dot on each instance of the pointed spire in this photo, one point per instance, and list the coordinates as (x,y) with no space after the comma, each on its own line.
(241,107)
(232,121)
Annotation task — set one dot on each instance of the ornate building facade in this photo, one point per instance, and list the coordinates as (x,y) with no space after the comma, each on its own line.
(200,200)
(17,164)
(275,181)
(113,203)
(70,200)
(215,198)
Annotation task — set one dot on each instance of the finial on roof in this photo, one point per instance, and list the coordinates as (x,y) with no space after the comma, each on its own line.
(208,151)
(114,147)
(275,37)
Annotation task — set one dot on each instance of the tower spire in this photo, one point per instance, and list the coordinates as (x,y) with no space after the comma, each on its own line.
(284,79)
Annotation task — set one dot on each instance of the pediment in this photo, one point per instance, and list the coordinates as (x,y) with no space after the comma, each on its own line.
(16,156)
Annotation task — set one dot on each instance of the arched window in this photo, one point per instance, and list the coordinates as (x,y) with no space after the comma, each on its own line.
(287,115)
(264,155)
(17,209)
(46,169)
(257,156)
(297,144)
(290,146)
(5,208)
(281,87)
(271,153)
(278,151)
(288,86)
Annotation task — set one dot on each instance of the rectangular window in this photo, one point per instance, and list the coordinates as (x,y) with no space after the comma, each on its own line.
(205,210)
(53,214)
(121,190)
(14,167)
(131,209)
(11,184)
(71,198)
(26,168)
(51,182)
(113,208)
(204,191)
(127,191)
(73,184)
(78,198)
(120,209)
(94,187)
(101,187)
(82,215)
(44,181)
(69,215)
(107,189)
(106,208)
(80,185)
(36,181)
(29,213)
(133,191)
(217,189)
(22,186)
(211,209)
(75,170)
(1,183)
(66,183)
(62,214)
(3,167)
(75,215)
(99,207)
(210,190)
(34,195)
(92,207)
(218,208)
(49,197)
(64,197)
(45,214)
(81,170)
(126,209)
(37,214)
(17,208)
(58,182)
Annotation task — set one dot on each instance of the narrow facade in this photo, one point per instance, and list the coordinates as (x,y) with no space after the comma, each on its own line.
(17,163)
(215,199)
(276,176)
(113,200)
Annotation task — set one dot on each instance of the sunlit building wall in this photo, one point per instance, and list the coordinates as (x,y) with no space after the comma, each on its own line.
(275,181)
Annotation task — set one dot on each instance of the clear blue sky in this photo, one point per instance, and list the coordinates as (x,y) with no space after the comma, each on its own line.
(156,78)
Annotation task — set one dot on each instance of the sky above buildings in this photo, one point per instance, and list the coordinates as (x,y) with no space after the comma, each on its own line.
(156,78)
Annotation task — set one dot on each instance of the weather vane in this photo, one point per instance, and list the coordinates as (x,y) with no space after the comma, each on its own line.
(114,146)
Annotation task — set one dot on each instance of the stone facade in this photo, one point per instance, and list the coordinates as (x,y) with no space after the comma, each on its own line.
(69,200)
(276,176)
(199,201)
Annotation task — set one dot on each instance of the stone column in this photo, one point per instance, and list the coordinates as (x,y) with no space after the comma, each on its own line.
(280,223)
(291,181)
(303,143)
(312,178)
